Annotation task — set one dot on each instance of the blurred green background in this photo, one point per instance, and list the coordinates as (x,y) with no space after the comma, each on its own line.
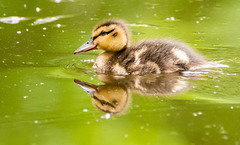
(41,105)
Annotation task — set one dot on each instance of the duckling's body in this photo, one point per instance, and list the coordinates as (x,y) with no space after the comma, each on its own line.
(144,57)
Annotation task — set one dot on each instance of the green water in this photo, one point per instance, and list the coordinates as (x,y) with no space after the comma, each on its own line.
(41,105)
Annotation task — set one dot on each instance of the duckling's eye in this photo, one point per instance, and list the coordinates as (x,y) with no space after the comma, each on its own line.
(103,33)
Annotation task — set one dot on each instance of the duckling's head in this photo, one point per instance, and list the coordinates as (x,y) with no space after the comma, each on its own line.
(111,35)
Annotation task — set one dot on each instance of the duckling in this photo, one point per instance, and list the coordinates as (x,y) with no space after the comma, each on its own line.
(144,57)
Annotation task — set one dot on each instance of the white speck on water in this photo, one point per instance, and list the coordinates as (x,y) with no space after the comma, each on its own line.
(153,7)
(88,122)
(23,62)
(44,28)
(57,1)
(216,86)
(109,14)
(197,22)
(231,107)
(4,14)
(172,18)
(38,9)
(174,91)
(195,114)
(167,18)
(94,66)
(91,78)
(27,30)
(62,30)
(36,122)
(43,35)
(29,90)
(17,42)
(106,116)
(201,18)
(126,135)
(3,61)
(141,127)
(12,20)
(41,83)
(199,113)
(15,84)
(85,110)
(5,76)
(82,32)
(25,5)
(138,33)
(50,90)
(25,97)
(214,92)
(19,32)
(58,25)
(225,137)
(6,116)
(155,15)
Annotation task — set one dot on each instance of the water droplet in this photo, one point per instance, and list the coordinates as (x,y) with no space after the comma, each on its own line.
(57,1)
(38,9)
(194,114)
(36,122)
(172,18)
(85,110)
(44,28)
(19,32)
(58,25)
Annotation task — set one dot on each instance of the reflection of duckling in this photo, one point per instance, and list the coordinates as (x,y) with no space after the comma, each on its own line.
(107,98)
(144,57)
(113,96)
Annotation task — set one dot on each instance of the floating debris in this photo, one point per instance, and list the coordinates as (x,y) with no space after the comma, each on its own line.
(13,19)
(49,19)
(38,9)
(106,116)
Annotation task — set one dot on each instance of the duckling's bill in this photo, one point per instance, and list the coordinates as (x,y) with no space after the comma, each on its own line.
(87,87)
(89,45)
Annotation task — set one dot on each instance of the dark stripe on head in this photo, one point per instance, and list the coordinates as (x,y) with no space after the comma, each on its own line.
(103,33)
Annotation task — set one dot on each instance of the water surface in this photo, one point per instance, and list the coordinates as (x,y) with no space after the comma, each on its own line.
(41,105)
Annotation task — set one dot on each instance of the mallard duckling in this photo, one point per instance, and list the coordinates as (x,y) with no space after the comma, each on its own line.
(144,57)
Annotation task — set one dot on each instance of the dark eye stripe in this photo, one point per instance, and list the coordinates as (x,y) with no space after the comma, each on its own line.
(101,34)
